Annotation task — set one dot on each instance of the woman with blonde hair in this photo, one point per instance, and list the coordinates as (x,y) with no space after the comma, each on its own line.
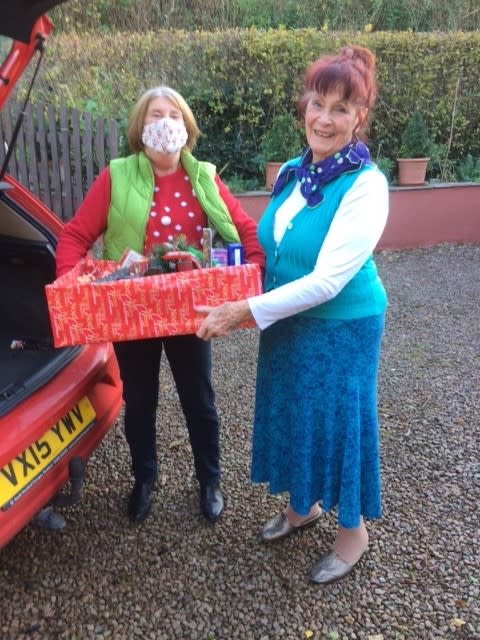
(155,194)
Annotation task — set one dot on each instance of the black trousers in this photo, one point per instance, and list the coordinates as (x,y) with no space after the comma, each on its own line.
(191,363)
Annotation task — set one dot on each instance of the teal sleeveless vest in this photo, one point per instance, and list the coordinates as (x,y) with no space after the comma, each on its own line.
(132,183)
(296,254)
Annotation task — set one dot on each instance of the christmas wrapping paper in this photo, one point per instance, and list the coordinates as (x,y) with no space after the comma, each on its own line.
(83,311)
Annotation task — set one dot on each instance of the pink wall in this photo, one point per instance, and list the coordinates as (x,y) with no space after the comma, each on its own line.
(419,216)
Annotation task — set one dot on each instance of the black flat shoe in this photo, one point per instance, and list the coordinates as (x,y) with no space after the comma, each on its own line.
(211,501)
(140,501)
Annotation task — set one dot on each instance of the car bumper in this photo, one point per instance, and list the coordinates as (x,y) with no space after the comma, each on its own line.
(94,374)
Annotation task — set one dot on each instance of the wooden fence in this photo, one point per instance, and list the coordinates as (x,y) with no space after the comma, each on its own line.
(58,154)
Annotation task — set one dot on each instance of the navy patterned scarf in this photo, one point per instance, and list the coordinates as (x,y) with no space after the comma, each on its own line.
(313,176)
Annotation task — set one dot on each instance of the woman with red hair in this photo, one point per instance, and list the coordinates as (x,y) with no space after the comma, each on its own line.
(321,318)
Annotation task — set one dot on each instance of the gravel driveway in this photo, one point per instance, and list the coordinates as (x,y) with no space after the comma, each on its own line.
(176,577)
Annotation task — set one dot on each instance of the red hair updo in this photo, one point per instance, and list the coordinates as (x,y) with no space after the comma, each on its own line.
(352,71)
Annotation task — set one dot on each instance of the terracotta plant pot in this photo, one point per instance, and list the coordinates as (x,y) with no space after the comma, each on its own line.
(412,171)
(271,170)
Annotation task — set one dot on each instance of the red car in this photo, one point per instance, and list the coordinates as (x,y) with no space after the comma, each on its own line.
(56,405)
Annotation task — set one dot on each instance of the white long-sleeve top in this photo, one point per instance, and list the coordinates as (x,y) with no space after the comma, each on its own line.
(355,230)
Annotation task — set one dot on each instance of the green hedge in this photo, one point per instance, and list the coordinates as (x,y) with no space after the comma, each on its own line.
(237,80)
(211,15)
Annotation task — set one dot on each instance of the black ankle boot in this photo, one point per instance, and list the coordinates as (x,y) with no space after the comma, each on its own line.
(211,500)
(140,501)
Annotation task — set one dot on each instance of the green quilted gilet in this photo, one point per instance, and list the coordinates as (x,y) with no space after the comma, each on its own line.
(132,183)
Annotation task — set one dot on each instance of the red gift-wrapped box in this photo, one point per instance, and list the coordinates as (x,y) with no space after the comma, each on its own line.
(142,307)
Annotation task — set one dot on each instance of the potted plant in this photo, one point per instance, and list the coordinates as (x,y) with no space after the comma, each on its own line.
(415,149)
(386,166)
(282,140)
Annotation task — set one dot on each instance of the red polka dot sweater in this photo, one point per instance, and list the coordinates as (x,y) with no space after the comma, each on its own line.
(174,210)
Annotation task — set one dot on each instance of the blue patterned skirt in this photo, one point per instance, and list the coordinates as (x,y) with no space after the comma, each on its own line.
(315,431)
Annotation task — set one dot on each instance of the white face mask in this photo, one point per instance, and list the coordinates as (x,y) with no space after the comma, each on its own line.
(165,135)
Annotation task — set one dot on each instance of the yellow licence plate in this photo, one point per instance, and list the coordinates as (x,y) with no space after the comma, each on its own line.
(31,464)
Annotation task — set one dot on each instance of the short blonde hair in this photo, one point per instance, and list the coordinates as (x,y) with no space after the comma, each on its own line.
(139,111)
